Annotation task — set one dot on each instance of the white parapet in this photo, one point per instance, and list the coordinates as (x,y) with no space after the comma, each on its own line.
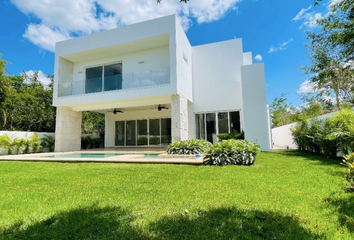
(67,130)
(179,117)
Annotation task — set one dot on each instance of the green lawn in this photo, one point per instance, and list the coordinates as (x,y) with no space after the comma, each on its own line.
(285,195)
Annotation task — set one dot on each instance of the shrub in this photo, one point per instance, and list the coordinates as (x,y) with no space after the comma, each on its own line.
(234,135)
(34,141)
(326,137)
(18,144)
(187,147)
(6,143)
(349,161)
(96,142)
(85,142)
(228,152)
(49,142)
(154,140)
(142,140)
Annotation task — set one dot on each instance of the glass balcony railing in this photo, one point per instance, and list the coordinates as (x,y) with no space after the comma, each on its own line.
(117,82)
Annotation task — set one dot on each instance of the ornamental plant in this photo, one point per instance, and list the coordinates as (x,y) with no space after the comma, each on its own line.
(349,161)
(234,135)
(188,147)
(231,152)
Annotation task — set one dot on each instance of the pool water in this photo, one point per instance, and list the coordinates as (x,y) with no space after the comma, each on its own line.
(98,155)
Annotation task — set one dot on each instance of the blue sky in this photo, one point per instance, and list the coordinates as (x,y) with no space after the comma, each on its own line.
(271,29)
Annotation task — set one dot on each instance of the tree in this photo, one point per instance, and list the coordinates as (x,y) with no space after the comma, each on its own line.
(330,75)
(337,29)
(93,122)
(281,111)
(331,51)
(4,88)
(29,105)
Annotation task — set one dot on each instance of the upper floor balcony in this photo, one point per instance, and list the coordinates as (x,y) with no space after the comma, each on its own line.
(102,81)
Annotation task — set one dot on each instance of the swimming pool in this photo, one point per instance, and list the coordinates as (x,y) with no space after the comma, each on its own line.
(97,155)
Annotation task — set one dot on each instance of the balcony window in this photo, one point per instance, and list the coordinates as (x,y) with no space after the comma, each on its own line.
(107,77)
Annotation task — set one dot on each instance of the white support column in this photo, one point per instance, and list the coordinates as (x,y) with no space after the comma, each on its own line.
(67,130)
(179,117)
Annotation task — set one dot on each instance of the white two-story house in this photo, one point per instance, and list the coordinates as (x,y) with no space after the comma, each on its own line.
(155,88)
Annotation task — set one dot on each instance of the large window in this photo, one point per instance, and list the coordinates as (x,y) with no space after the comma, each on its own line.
(104,78)
(143,132)
(209,125)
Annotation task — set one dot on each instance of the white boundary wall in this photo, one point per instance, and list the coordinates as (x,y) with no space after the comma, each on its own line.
(25,135)
(282,135)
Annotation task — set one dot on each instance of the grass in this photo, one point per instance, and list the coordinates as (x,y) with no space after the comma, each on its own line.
(285,195)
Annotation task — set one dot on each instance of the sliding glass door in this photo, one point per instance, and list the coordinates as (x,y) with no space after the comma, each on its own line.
(154,131)
(209,125)
(120,133)
(130,137)
(143,132)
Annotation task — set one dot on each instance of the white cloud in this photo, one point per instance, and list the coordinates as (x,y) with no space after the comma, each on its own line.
(41,77)
(333,2)
(43,36)
(58,20)
(281,46)
(301,14)
(258,57)
(309,19)
(306,87)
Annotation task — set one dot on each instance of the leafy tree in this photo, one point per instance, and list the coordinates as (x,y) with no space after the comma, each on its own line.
(281,111)
(337,29)
(29,105)
(93,122)
(331,51)
(4,88)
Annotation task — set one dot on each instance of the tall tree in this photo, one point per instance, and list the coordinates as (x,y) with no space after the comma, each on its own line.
(4,88)
(281,111)
(331,51)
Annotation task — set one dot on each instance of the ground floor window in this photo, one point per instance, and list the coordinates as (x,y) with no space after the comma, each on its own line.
(209,125)
(143,132)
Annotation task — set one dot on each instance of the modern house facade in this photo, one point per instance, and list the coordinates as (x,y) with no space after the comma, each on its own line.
(155,88)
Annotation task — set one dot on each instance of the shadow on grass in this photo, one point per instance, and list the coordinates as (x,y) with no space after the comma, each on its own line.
(82,223)
(231,223)
(114,223)
(345,209)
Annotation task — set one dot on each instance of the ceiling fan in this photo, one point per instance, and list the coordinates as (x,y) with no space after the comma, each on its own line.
(160,107)
(115,111)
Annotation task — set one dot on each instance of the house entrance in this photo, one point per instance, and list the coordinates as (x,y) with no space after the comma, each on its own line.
(143,132)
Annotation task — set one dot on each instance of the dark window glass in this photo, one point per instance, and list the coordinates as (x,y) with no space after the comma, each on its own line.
(223,122)
(235,121)
(113,77)
(210,127)
(93,80)
(166,130)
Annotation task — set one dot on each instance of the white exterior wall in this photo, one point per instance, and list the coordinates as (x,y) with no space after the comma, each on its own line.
(111,118)
(155,58)
(184,64)
(204,78)
(217,76)
(131,44)
(255,113)
(282,135)
(247,58)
